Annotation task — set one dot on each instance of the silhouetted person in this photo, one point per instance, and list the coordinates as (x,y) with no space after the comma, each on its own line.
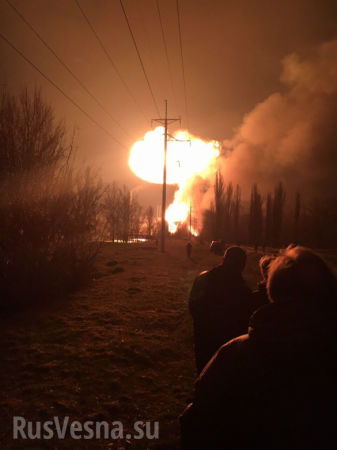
(189,249)
(275,388)
(260,296)
(220,304)
(256,247)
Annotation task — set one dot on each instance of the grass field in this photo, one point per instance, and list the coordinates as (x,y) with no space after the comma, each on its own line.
(120,349)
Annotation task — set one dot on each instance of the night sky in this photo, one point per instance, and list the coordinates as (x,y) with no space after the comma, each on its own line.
(249,66)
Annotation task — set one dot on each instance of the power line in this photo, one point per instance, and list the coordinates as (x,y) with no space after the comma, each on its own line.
(67,68)
(140,59)
(167,58)
(113,65)
(182,62)
(148,41)
(60,90)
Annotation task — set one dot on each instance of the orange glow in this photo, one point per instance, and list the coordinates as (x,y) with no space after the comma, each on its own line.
(185,160)
(194,232)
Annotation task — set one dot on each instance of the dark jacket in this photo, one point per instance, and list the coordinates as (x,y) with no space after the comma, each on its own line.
(220,304)
(260,296)
(274,388)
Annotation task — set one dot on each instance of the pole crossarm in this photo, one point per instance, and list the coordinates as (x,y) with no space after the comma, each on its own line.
(164,121)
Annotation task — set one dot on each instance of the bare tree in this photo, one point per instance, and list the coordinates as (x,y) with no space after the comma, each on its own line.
(321,221)
(256,217)
(236,208)
(149,219)
(135,215)
(278,210)
(124,213)
(110,208)
(227,231)
(208,224)
(48,210)
(219,202)
(269,220)
(129,212)
(49,226)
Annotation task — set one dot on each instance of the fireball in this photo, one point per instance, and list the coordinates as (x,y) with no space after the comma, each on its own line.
(187,157)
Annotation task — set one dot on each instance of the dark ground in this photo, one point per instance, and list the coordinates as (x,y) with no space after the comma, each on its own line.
(120,349)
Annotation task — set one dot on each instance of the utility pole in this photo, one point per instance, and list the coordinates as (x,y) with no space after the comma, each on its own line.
(164,122)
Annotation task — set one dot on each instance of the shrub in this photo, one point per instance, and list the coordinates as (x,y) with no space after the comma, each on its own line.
(48,209)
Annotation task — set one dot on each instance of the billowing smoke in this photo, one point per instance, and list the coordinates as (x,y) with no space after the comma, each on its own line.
(292,135)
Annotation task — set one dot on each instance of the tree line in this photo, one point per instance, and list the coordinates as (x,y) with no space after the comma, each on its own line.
(123,214)
(269,221)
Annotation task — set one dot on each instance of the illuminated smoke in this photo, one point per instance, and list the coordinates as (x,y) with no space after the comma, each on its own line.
(290,136)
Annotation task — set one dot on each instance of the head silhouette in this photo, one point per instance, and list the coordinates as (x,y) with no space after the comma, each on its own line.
(300,274)
(235,258)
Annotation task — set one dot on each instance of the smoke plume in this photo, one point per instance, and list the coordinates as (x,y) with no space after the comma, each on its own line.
(292,135)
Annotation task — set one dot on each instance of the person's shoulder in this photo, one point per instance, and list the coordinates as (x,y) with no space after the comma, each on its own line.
(226,358)
(217,269)
(209,276)
(235,344)
(201,278)
(262,316)
(203,273)
(219,272)
(198,292)
(232,348)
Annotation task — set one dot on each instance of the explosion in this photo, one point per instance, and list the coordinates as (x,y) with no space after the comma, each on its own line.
(188,157)
(289,136)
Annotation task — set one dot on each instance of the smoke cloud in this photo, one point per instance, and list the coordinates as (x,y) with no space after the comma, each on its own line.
(292,135)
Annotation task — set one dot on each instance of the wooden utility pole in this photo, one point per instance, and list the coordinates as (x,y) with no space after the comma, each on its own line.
(164,122)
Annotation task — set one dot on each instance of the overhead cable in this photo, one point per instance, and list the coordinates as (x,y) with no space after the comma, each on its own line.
(67,68)
(167,58)
(148,40)
(182,62)
(140,59)
(62,92)
(112,63)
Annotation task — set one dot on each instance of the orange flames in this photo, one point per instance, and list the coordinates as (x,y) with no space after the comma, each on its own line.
(185,161)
